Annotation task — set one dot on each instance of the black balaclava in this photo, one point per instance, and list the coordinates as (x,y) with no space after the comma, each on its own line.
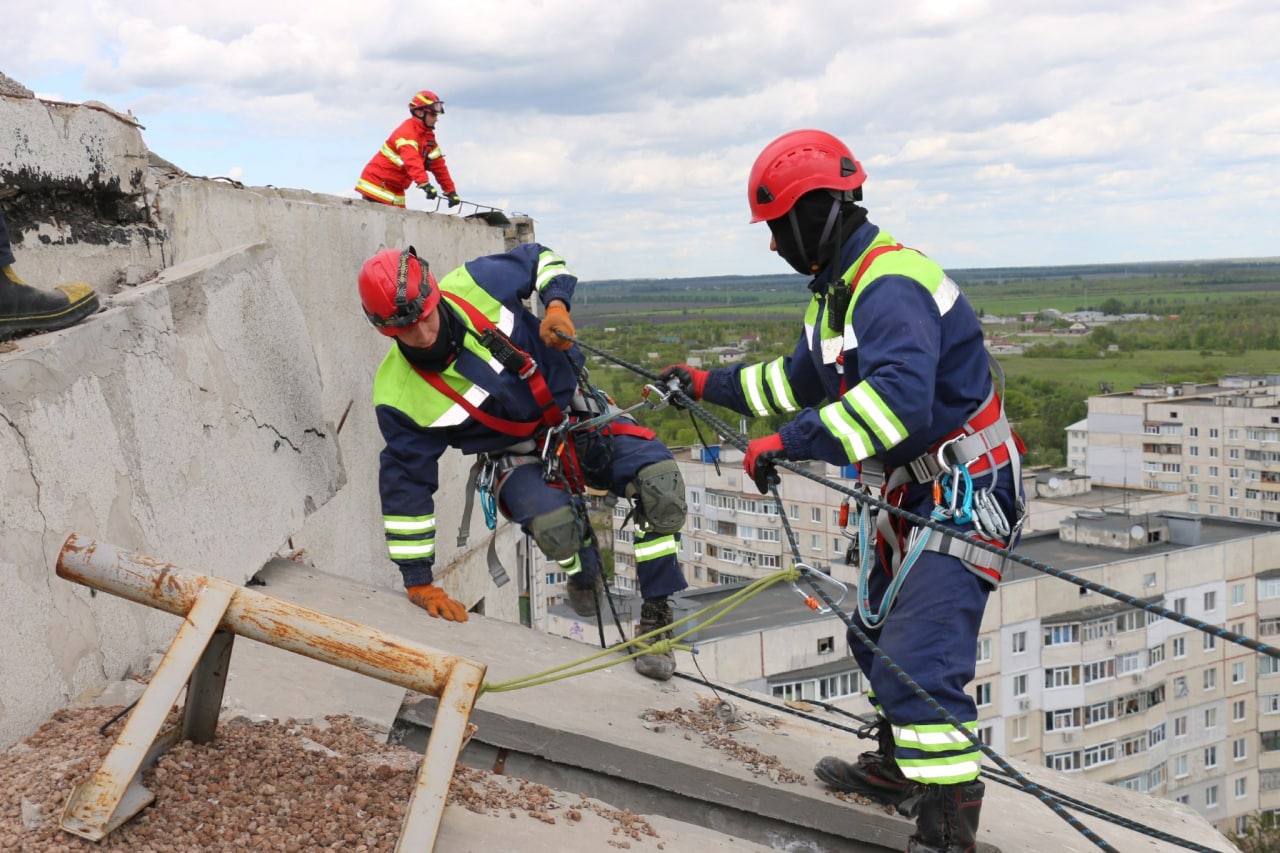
(436,357)
(810,235)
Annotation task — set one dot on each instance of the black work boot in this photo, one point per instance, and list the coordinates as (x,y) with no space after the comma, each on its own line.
(875,775)
(656,613)
(585,602)
(946,817)
(24,308)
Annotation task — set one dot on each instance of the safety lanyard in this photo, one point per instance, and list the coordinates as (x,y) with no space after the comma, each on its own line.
(512,358)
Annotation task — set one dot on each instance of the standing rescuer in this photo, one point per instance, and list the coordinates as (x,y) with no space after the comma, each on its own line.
(410,152)
(890,372)
(472,368)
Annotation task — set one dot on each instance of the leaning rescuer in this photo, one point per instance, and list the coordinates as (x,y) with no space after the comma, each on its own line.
(472,368)
(890,373)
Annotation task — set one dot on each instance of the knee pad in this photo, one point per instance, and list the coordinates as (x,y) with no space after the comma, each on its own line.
(559,533)
(658,493)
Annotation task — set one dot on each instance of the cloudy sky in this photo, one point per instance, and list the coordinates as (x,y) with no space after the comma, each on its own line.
(993,135)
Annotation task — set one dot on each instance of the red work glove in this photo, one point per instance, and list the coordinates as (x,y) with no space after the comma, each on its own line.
(691,380)
(556,319)
(759,463)
(437,602)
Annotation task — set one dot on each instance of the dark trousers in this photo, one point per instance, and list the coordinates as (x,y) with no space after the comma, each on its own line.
(931,632)
(525,495)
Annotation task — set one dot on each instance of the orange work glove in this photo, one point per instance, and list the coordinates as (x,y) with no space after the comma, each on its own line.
(436,601)
(555,320)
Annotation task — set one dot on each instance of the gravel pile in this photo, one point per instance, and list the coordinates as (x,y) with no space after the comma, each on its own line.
(258,786)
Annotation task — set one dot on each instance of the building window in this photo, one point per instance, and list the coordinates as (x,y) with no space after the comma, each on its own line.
(1237,594)
(1238,673)
(1210,602)
(1179,647)
(984,650)
(1237,711)
(815,514)
(1210,757)
(1018,640)
(1057,635)
(1242,787)
(1211,795)
(1210,642)
(1020,685)
(1239,749)
(982,694)
(1210,718)
(1180,767)
(1020,728)
(1061,676)
(826,645)
(1180,726)
(1180,606)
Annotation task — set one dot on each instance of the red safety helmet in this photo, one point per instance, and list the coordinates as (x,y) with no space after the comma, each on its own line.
(392,293)
(427,100)
(795,163)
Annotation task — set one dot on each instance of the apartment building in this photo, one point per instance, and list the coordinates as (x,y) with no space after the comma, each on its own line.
(1219,443)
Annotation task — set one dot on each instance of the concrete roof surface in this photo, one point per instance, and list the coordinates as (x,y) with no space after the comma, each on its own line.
(596,734)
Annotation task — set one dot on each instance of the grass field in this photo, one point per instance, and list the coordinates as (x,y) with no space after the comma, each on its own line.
(1127,370)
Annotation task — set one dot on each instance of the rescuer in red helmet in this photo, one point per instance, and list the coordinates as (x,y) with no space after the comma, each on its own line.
(890,374)
(410,152)
(472,368)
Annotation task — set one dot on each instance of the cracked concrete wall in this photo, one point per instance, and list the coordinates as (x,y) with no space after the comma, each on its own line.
(77,176)
(213,416)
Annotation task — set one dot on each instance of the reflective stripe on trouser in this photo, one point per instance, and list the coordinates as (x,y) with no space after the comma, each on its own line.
(526,495)
(377,192)
(932,634)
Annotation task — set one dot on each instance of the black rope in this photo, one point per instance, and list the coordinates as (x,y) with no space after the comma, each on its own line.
(1025,784)
(866,728)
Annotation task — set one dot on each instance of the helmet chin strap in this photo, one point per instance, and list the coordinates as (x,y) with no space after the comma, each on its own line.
(831,225)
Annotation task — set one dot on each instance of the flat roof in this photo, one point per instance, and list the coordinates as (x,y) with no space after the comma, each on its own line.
(1046,547)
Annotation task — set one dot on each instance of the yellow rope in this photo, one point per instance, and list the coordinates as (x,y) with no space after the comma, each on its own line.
(580,667)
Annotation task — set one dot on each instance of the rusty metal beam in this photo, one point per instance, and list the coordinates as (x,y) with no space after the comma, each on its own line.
(214,609)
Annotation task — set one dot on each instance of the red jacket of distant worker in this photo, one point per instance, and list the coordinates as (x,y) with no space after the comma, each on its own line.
(404,160)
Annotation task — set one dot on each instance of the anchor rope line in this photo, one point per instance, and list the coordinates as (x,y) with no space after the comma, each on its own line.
(648,643)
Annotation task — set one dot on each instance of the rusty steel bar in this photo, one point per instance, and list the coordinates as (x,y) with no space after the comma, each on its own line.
(261,617)
(113,794)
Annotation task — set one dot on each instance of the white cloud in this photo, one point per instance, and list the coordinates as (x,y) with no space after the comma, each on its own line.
(993,132)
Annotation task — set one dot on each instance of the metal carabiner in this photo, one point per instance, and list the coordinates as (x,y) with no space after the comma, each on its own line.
(811,601)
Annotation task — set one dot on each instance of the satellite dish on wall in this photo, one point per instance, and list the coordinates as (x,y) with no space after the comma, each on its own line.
(1137,533)
(1054,483)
